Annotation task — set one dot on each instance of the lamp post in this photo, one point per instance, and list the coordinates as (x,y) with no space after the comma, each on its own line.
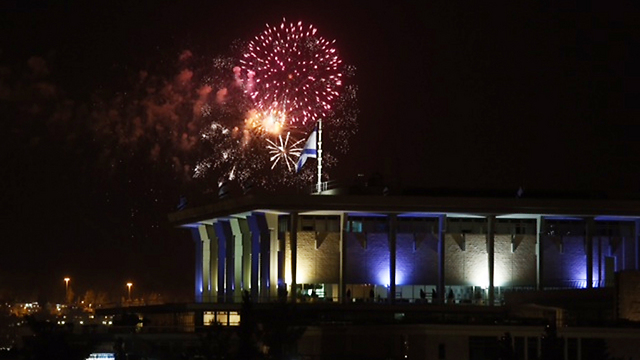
(129,289)
(66,289)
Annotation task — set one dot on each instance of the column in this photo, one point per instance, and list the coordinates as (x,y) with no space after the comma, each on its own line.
(539,253)
(222,255)
(265,257)
(238,259)
(213,262)
(225,234)
(636,237)
(588,237)
(441,234)
(246,254)
(272,227)
(283,230)
(195,235)
(293,231)
(206,263)
(255,255)
(393,228)
(491,222)
(342,297)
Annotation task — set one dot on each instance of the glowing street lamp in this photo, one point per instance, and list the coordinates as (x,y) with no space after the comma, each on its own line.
(129,285)
(66,288)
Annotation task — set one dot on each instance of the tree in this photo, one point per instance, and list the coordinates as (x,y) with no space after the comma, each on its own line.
(89,298)
(51,341)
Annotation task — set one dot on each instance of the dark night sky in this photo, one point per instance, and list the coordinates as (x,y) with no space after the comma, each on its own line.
(529,94)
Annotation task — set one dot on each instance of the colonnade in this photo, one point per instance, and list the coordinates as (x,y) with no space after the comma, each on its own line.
(246,252)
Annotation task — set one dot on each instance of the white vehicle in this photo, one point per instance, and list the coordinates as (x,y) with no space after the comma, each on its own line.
(102,356)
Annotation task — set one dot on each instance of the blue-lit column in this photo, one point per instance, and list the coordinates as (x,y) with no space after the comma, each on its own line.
(342,298)
(294,255)
(260,250)
(283,230)
(491,222)
(393,229)
(226,251)
(199,286)
(588,238)
(441,234)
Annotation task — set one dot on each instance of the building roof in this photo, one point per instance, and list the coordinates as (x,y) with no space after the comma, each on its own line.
(419,205)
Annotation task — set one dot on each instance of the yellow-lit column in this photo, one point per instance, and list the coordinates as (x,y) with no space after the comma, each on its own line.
(206,263)
(213,263)
(272,224)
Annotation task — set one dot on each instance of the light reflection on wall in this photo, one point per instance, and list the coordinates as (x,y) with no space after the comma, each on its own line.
(302,271)
(383,277)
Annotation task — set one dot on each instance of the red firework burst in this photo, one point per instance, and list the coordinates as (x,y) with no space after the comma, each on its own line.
(289,68)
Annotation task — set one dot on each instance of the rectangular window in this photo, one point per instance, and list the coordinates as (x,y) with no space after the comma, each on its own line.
(354,226)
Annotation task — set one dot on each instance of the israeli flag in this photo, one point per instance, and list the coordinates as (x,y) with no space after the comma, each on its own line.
(310,150)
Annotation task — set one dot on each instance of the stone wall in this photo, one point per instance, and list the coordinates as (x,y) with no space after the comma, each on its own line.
(315,265)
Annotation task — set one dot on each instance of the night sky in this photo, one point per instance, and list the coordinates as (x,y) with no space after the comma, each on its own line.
(531,94)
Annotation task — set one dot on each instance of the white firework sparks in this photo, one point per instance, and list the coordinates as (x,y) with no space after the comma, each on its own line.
(284,150)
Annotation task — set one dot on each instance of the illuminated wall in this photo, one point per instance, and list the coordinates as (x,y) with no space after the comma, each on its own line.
(466,260)
(417,259)
(368,258)
(565,261)
(515,260)
(318,259)
(368,263)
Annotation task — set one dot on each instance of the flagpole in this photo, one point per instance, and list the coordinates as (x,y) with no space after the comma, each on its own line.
(319,186)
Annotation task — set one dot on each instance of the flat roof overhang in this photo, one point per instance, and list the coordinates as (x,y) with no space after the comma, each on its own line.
(501,207)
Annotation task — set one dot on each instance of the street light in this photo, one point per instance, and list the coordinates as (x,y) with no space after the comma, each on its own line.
(129,289)
(66,288)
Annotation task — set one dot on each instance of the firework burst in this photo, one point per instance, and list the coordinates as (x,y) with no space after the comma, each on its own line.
(264,96)
(292,70)
(285,151)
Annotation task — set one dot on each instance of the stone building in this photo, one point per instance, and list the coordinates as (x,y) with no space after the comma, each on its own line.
(418,277)
(399,249)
